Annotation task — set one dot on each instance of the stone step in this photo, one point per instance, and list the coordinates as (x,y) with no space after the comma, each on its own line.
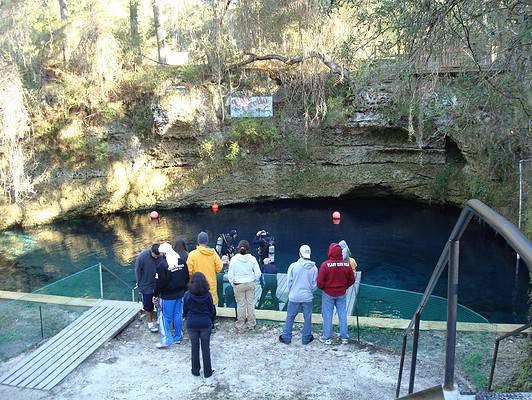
(436,393)
(503,396)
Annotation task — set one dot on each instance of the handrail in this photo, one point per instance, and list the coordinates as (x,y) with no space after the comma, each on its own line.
(123,282)
(505,228)
(496,349)
(513,236)
(117,277)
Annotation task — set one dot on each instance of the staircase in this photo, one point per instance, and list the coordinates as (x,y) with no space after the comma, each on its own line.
(437,393)
(449,259)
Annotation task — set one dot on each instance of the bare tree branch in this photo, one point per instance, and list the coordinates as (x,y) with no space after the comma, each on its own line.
(331,64)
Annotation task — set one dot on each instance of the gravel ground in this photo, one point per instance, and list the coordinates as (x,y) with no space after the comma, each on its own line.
(252,365)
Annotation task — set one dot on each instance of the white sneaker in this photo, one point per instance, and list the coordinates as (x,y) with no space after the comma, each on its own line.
(161,346)
(152,327)
(345,341)
(325,341)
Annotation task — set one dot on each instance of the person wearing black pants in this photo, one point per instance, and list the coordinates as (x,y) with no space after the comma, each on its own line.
(199,311)
(202,336)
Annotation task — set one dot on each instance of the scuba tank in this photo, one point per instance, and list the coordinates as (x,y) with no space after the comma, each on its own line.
(271,252)
(219,243)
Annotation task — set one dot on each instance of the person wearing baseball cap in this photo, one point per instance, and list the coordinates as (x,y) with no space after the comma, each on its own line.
(205,260)
(301,277)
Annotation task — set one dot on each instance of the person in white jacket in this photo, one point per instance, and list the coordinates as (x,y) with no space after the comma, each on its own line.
(243,273)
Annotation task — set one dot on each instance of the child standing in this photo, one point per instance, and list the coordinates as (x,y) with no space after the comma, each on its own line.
(199,311)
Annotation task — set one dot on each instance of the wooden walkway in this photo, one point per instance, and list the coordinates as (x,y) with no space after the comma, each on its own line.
(46,366)
(47,298)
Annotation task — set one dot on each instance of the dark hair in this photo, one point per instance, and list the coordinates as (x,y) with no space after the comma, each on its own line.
(243,247)
(155,249)
(198,284)
(180,245)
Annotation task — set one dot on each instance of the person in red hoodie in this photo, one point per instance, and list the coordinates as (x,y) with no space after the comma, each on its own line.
(334,278)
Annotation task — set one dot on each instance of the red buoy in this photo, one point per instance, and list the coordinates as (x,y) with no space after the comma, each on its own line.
(214,207)
(336,215)
(154,215)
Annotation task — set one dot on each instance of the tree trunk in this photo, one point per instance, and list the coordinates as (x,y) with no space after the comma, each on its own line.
(64,18)
(134,27)
(214,60)
(159,31)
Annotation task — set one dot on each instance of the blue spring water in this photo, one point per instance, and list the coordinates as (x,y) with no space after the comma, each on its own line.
(395,242)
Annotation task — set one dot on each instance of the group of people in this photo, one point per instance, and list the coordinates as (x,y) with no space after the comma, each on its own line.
(184,285)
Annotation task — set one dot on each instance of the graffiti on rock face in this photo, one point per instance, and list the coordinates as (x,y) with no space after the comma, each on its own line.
(253,106)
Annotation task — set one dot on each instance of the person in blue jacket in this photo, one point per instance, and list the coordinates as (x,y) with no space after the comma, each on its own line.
(199,311)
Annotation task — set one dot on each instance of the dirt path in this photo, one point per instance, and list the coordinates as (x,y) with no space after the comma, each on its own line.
(249,366)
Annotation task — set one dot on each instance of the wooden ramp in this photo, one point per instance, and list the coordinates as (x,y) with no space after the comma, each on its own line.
(46,366)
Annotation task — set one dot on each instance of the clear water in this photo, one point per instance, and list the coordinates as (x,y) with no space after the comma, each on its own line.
(395,242)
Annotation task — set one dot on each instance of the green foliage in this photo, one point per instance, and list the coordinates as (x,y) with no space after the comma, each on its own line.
(139,117)
(254,131)
(233,151)
(84,149)
(108,112)
(146,79)
(443,180)
(522,381)
(207,150)
(474,368)
(337,111)
(479,187)
(246,141)
(193,73)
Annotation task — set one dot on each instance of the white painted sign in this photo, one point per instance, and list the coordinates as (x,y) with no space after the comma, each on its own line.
(253,106)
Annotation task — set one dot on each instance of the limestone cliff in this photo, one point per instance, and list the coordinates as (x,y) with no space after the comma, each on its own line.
(363,157)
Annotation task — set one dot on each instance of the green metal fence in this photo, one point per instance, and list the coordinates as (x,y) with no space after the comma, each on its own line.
(372,301)
(25,321)
(378,301)
(33,317)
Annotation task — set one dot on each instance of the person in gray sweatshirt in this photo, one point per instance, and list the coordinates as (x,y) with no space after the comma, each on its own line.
(302,276)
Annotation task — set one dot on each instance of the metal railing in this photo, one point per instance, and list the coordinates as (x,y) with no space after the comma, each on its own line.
(102,267)
(496,349)
(450,256)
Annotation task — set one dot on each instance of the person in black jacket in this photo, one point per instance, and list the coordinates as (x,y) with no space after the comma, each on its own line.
(181,248)
(199,312)
(145,269)
(265,245)
(171,282)
(269,284)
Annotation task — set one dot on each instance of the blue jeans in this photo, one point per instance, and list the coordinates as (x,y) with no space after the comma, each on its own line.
(327,309)
(171,311)
(291,313)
